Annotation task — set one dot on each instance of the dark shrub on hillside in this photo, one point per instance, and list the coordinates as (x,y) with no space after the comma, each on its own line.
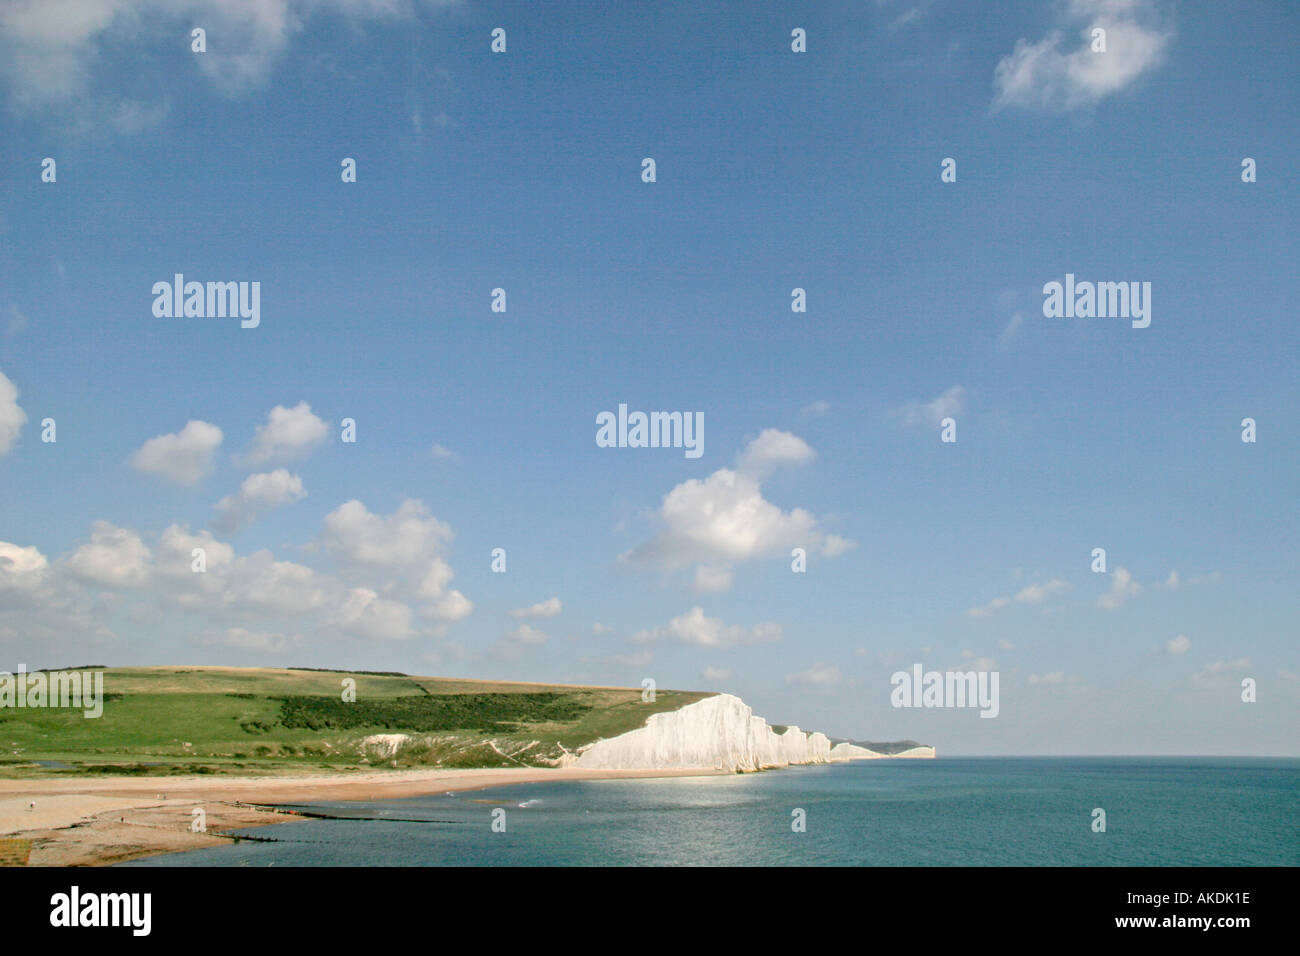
(482,712)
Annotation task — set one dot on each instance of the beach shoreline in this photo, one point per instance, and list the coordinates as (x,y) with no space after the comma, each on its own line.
(99,822)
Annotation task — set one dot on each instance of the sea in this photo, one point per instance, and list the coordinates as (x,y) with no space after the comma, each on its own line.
(950,811)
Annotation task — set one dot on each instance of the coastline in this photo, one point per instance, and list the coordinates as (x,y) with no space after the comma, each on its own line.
(86,822)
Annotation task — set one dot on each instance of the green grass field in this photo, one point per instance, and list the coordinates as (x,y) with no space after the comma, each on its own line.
(175,720)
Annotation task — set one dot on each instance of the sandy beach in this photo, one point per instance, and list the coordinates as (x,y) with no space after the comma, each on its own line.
(84,822)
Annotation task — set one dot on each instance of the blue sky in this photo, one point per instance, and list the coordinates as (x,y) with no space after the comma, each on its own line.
(476,430)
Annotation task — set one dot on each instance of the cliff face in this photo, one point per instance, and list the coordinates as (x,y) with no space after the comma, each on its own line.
(921,752)
(717,733)
(847,751)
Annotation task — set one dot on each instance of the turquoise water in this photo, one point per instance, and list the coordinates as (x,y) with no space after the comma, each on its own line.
(950,811)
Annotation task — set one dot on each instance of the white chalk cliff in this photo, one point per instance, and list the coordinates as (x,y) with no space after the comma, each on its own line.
(717,733)
(848,751)
(922,752)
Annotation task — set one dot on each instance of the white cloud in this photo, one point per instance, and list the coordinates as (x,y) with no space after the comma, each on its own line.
(723,519)
(771,448)
(402,550)
(1175,581)
(694,627)
(985,610)
(183,457)
(407,536)
(114,556)
(244,602)
(175,556)
(948,405)
(1217,676)
(636,660)
(1012,327)
(833,545)
(526,634)
(172,569)
(262,583)
(1033,594)
(365,614)
(1056,677)
(48,46)
(126,116)
(712,580)
(435,578)
(1043,76)
(50,49)
(970,662)
(520,640)
(725,515)
(17,318)
(1038,593)
(289,434)
(452,606)
(242,639)
(1122,587)
(819,675)
(21,568)
(47,608)
(444,454)
(816,409)
(716,673)
(257,495)
(118,558)
(548,608)
(256,584)
(1178,645)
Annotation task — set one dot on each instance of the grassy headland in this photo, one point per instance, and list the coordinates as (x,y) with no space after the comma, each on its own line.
(225,720)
